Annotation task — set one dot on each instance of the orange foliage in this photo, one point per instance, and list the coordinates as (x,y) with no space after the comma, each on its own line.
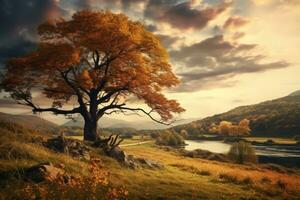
(95,186)
(100,59)
(227,128)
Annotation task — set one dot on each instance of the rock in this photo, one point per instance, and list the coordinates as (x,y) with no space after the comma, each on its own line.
(118,154)
(71,147)
(132,161)
(86,155)
(138,162)
(43,172)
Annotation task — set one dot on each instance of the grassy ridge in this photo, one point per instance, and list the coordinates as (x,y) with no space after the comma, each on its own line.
(275,118)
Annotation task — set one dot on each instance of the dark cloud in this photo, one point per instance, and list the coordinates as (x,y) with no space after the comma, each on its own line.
(215,59)
(151,27)
(235,22)
(17,48)
(104,4)
(167,40)
(182,15)
(19,20)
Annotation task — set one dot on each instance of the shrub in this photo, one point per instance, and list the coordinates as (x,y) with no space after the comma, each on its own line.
(205,173)
(247,181)
(154,135)
(265,180)
(127,136)
(228,178)
(184,133)
(169,138)
(281,184)
(95,186)
(242,152)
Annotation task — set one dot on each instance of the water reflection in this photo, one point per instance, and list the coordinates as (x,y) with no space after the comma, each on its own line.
(212,146)
(221,147)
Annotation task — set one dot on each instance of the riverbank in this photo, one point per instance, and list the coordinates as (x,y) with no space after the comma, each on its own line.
(267,152)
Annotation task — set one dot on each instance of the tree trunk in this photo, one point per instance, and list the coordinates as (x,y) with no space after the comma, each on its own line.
(90,130)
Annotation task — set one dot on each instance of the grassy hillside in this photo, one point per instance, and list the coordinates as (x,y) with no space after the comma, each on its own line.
(30,122)
(279,117)
(181,178)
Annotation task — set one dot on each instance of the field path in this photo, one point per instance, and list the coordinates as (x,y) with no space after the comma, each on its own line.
(134,144)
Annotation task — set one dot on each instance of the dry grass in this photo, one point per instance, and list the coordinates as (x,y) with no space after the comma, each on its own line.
(182,178)
(242,173)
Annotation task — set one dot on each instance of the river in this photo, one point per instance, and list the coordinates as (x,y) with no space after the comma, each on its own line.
(279,154)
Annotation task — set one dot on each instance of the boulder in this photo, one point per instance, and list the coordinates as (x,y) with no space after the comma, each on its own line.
(71,147)
(132,161)
(43,172)
(117,153)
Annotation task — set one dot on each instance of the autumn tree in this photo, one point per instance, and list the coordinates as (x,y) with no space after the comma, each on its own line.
(96,61)
(224,127)
(229,129)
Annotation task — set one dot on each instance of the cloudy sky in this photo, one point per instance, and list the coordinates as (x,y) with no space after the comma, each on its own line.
(227,53)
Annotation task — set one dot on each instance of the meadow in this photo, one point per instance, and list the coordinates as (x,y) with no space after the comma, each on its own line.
(181,177)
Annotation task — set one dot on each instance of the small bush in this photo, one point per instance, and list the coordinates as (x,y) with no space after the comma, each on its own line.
(247,181)
(94,186)
(242,152)
(204,173)
(169,138)
(265,180)
(281,184)
(228,178)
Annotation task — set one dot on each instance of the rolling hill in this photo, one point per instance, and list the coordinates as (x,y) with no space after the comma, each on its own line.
(30,122)
(278,117)
(112,123)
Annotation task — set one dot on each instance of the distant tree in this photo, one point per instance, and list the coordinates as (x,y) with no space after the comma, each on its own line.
(229,129)
(127,135)
(184,133)
(214,129)
(169,138)
(244,123)
(98,60)
(224,127)
(154,135)
(297,138)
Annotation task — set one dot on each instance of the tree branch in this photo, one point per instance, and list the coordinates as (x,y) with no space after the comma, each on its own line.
(57,111)
(110,94)
(76,90)
(35,108)
(122,108)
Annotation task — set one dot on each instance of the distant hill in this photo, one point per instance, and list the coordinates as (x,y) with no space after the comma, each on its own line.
(279,117)
(111,123)
(294,94)
(30,122)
